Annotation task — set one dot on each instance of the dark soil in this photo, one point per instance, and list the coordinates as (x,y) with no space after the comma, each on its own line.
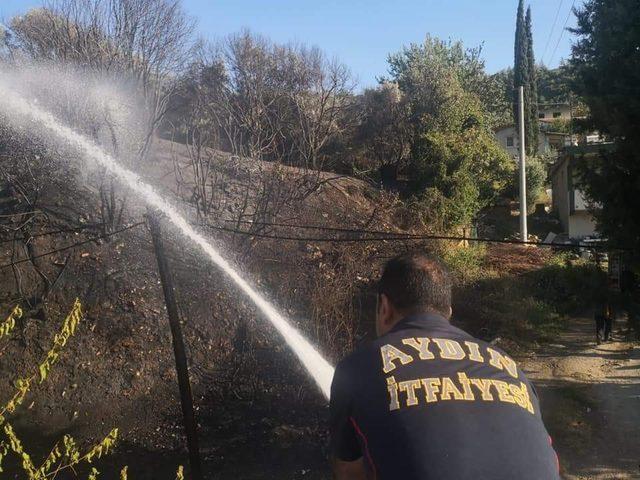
(259,414)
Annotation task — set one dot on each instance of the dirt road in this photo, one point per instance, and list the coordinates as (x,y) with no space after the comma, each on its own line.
(591,401)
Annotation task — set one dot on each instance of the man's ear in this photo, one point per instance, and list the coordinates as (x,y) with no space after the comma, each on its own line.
(386,310)
(386,315)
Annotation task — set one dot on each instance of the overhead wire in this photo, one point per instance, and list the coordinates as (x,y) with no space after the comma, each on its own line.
(553,26)
(53,232)
(317,227)
(74,245)
(401,237)
(365,236)
(562,31)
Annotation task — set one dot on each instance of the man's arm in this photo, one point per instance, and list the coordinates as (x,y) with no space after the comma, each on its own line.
(349,470)
(346,452)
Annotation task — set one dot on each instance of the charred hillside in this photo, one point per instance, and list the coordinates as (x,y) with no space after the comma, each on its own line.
(119,370)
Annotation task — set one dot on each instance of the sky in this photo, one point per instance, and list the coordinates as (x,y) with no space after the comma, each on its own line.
(362,33)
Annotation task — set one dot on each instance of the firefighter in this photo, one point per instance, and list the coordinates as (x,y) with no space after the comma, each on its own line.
(428,401)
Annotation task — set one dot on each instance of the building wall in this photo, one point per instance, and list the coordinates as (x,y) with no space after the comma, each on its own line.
(569,204)
(504,134)
(579,202)
(558,140)
(546,113)
(581,224)
(560,197)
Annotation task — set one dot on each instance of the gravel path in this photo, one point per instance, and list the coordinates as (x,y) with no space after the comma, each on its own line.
(590,398)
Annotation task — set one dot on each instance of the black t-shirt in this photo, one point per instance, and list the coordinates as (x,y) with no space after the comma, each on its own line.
(428,401)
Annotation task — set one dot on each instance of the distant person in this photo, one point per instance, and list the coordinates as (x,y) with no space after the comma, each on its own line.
(427,401)
(604,323)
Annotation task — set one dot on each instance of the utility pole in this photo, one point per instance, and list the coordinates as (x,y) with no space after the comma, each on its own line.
(523,174)
(179,351)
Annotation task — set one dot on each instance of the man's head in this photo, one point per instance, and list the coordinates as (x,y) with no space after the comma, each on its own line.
(412,283)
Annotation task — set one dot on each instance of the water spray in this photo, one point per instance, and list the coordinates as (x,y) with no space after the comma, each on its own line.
(316,365)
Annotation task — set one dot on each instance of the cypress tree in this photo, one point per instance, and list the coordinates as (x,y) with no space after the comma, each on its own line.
(533,127)
(520,66)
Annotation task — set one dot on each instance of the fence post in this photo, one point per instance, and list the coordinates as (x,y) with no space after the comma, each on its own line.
(179,351)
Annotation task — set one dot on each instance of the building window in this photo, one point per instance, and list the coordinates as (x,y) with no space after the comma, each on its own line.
(557,114)
(509,141)
(541,115)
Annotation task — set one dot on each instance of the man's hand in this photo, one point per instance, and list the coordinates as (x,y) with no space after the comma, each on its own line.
(349,470)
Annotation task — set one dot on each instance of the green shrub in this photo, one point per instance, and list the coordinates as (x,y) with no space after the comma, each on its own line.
(536,172)
(65,455)
(571,286)
(523,308)
(466,263)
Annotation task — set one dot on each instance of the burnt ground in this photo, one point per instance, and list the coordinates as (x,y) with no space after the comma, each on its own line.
(259,414)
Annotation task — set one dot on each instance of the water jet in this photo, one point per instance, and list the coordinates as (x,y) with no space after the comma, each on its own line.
(12,103)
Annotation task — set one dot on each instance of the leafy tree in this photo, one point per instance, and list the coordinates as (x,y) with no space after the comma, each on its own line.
(384,132)
(498,98)
(456,165)
(606,69)
(554,85)
(560,125)
(536,169)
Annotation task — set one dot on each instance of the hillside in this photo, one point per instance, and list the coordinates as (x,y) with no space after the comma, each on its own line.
(257,409)
(118,370)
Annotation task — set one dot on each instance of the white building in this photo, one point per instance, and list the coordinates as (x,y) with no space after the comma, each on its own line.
(548,112)
(510,141)
(568,202)
(508,137)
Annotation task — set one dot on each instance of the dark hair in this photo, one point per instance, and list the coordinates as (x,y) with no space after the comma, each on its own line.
(415,283)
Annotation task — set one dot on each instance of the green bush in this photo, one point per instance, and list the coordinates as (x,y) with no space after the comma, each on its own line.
(536,172)
(466,263)
(569,285)
(522,308)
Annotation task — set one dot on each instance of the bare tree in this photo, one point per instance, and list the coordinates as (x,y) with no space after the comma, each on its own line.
(274,108)
(141,41)
(280,103)
(321,98)
(253,94)
(141,44)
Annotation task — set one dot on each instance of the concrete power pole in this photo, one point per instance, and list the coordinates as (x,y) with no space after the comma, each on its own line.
(523,174)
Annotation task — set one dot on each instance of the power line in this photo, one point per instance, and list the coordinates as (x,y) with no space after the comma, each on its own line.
(403,238)
(69,247)
(319,227)
(53,232)
(553,26)
(562,31)
(384,238)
